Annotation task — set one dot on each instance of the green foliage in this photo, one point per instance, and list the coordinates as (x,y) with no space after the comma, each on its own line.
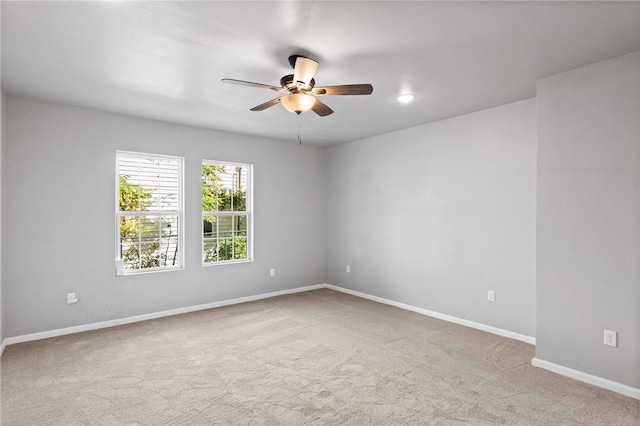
(211,186)
(217,197)
(225,249)
(133,197)
(143,238)
(225,236)
(146,240)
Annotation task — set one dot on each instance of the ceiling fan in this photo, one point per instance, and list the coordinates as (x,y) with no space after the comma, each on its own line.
(299,91)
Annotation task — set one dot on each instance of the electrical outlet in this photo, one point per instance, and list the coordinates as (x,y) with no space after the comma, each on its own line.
(71,298)
(611,338)
(272,272)
(348,269)
(491,296)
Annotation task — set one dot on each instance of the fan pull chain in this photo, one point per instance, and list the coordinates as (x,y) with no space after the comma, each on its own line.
(299,129)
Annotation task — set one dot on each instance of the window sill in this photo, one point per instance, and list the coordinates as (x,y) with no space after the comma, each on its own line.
(227,262)
(149,271)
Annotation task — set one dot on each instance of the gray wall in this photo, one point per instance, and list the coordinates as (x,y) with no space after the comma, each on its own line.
(436,215)
(2,127)
(59,227)
(588,212)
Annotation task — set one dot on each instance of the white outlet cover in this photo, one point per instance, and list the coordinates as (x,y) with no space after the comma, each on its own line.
(491,296)
(348,269)
(71,298)
(611,338)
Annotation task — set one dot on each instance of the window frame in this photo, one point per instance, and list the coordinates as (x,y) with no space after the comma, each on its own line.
(179,214)
(248,212)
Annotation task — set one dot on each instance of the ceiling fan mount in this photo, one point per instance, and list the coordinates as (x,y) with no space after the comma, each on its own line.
(293,58)
(298,90)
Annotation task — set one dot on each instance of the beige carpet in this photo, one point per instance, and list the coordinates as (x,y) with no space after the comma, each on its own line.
(312,358)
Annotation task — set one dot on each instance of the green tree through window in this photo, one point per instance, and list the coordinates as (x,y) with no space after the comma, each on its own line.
(225,212)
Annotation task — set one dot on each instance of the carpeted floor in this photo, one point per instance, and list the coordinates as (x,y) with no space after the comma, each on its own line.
(316,358)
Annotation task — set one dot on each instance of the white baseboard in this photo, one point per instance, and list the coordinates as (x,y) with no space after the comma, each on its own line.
(587,378)
(574,374)
(178,311)
(438,315)
(153,315)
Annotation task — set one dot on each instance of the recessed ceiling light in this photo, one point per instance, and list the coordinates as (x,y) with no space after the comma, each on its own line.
(405,98)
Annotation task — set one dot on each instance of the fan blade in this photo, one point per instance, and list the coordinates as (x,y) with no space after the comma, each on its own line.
(347,89)
(304,70)
(321,109)
(266,105)
(252,84)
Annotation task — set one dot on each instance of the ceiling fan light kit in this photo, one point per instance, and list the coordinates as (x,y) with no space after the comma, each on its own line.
(298,102)
(299,91)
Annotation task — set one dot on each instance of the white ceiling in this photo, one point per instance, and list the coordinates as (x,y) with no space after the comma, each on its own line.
(164,60)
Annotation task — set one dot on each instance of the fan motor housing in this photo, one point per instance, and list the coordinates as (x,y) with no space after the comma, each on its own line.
(287,83)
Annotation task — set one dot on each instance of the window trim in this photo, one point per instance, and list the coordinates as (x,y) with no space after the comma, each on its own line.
(249,213)
(180,214)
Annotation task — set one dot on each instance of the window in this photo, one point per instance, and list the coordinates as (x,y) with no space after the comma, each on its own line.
(148,212)
(226,212)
